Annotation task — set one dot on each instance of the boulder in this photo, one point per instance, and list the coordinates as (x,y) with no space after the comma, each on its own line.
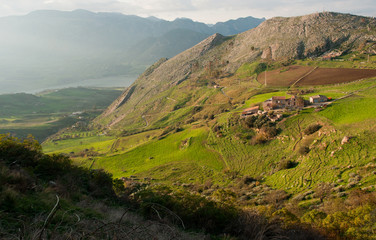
(345,140)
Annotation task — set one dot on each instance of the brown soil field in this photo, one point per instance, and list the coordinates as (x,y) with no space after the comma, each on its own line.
(323,76)
(284,77)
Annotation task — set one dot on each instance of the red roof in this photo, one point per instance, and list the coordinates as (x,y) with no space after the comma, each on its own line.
(251,109)
(279,97)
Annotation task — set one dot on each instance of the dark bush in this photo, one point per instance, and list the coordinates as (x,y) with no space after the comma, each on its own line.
(194,211)
(260,138)
(19,155)
(101,184)
(303,150)
(250,225)
(248,180)
(257,122)
(182,103)
(249,121)
(197,109)
(260,68)
(19,152)
(269,131)
(286,164)
(50,167)
(312,129)
(217,128)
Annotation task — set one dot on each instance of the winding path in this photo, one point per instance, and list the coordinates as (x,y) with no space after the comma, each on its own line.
(146,121)
(305,75)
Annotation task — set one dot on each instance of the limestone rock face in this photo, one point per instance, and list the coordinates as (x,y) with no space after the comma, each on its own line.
(275,39)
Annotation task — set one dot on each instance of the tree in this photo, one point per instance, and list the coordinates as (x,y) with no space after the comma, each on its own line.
(322,190)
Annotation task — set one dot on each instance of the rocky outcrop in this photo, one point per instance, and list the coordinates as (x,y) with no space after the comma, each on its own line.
(345,140)
(305,36)
(275,39)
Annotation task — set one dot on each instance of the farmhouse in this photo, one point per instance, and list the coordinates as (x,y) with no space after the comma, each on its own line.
(279,102)
(318,99)
(250,111)
(296,102)
(274,103)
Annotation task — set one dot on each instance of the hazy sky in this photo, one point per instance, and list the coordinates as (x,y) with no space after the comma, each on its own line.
(208,11)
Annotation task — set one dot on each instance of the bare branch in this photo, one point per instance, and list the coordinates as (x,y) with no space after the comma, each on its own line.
(49,217)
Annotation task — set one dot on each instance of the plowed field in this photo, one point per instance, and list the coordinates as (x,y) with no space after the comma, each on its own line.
(309,76)
(323,76)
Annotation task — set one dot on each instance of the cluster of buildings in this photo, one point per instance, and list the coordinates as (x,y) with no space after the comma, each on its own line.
(281,102)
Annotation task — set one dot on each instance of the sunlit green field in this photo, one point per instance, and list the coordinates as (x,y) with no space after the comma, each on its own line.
(197,154)
(46,113)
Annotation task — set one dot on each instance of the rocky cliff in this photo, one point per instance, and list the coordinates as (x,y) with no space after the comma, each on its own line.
(274,40)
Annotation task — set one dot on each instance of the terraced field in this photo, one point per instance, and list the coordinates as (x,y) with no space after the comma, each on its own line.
(197,153)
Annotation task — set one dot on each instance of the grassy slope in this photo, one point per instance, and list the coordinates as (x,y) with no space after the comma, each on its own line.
(210,157)
(328,160)
(185,149)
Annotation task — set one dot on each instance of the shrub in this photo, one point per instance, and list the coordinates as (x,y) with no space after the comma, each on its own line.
(101,184)
(313,217)
(217,128)
(253,226)
(276,197)
(182,103)
(303,150)
(312,129)
(286,164)
(260,138)
(248,122)
(19,152)
(191,210)
(197,109)
(260,68)
(49,167)
(269,131)
(248,180)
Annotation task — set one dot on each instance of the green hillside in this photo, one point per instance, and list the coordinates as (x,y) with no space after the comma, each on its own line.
(180,125)
(194,142)
(205,153)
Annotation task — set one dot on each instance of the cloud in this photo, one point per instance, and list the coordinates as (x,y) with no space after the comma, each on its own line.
(203,10)
(165,5)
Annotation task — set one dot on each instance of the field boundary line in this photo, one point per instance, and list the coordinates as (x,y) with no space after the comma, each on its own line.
(305,75)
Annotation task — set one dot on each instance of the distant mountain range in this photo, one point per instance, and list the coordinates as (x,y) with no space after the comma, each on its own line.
(45,49)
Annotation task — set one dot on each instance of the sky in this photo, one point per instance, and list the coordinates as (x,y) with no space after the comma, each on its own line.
(207,11)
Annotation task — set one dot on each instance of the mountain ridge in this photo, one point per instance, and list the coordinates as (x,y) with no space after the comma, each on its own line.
(234,119)
(50,48)
(277,39)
